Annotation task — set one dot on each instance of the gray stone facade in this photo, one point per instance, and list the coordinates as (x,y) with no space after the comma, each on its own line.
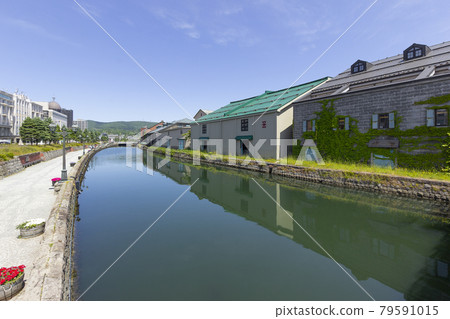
(362,104)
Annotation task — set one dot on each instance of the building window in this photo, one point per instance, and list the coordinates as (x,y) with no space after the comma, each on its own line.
(309,125)
(437,117)
(414,51)
(358,66)
(204,129)
(383,120)
(441,117)
(341,123)
(244,125)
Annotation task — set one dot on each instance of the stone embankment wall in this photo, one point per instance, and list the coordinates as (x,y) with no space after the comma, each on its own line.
(383,183)
(10,167)
(59,234)
(19,163)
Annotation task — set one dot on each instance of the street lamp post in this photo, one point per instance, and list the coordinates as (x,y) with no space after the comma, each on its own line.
(63,134)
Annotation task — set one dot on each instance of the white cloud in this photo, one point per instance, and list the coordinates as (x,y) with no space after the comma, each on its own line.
(178,22)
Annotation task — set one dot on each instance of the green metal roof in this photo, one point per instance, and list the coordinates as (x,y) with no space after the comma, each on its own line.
(266,102)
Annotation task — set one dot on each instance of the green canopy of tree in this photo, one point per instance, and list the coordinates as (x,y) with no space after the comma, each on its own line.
(36,130)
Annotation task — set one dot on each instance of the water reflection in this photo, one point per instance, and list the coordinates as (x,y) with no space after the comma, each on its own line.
(388,239)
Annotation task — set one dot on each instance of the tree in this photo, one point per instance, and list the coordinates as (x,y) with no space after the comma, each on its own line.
(41,130)
(27,131)
(187,135)
(48,136)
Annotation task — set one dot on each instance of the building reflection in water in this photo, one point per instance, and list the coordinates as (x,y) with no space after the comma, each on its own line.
(374,236)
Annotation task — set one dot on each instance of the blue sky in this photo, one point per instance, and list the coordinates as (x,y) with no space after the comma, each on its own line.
(204,53)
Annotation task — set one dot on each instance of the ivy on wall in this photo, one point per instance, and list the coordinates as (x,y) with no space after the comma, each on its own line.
(352,146)
(436,100)
(446,151)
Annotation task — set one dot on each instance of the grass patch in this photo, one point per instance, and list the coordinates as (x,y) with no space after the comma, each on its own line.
(350,167)
(8,151)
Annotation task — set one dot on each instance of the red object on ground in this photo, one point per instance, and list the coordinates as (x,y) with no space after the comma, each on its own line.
(8,274)
(56,179)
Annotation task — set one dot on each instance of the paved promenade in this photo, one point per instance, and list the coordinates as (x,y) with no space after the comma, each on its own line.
(23,196)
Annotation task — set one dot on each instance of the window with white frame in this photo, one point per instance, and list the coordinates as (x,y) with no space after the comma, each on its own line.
(383,120)
(414,51)
(437,117)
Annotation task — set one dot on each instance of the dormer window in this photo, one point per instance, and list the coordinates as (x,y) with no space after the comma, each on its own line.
(415,51)
(359,66)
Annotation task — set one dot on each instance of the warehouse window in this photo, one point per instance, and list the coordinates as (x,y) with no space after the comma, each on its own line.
(414,51)
(438,117)
(309,125)
(383,120)
(358,66)
(244,125)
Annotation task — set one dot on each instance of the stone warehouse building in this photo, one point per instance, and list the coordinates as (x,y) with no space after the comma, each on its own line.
(175,132)
(171,135)
(264,117)
(408,93)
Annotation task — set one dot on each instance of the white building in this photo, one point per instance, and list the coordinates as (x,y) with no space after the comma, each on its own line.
(82,124)
(265,119)
(23,108)
(52,110)
(6,116)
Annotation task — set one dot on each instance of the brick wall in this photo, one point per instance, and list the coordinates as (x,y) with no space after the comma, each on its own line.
(361,105)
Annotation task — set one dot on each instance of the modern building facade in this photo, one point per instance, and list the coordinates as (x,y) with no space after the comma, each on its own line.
(82,124)
(69,115)
(23,108)
(6,116)
(265,119)
(402,92)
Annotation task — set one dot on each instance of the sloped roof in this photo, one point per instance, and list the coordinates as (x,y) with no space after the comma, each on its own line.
(266,102)
(390,70)
(183,121)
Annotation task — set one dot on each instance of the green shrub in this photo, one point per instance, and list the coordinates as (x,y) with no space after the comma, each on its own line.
(446,151)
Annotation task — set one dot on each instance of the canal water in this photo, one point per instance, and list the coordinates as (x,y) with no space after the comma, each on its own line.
(237,235)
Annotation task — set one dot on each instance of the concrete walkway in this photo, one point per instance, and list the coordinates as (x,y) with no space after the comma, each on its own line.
(23,196)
